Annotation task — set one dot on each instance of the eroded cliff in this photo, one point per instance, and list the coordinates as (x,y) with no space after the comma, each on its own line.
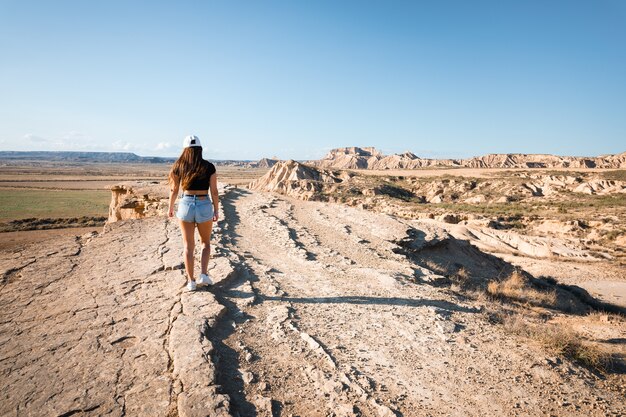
(370,158)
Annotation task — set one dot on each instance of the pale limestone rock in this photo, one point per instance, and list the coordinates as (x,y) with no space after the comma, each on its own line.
(266,162)
(139,199)
(436,199)
(370,158)
(476,199)
(263,405)
(600,186)
(247,377)
(105,320)
(294,178)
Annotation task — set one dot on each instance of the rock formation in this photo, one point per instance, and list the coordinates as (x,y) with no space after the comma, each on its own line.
(140,199)
(349,158)
(495,202)
(136,200)
(266,163)
(297,179)
(370,158)
(528,161)
(353,150)
(312,183)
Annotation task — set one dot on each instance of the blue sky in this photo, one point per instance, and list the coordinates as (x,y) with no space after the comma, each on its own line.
(293,79)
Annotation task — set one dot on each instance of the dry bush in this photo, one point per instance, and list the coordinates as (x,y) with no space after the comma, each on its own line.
(560,340)
(462,274)
(606,317)
(517,287)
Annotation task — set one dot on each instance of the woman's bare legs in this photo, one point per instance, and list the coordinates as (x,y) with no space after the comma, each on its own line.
(205,229)
(187,229)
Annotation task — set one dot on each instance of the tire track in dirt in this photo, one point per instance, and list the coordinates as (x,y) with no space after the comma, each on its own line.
(330,320)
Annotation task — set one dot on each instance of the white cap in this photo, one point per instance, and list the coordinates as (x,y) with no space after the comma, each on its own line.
(191,141)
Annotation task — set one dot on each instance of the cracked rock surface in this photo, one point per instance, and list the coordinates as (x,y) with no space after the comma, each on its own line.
(314,312)
(102,325)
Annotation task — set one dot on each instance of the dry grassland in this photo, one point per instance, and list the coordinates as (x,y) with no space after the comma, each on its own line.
(27,203)
(39,197)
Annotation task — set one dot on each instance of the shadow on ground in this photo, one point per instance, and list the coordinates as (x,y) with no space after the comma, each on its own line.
(459,262)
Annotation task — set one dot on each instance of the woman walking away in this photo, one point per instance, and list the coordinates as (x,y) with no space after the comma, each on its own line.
(196,176)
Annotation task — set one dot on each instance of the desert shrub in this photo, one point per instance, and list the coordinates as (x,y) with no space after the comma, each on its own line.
(395,192)
(611,235)
(560,340)
(549,280)
(462,274)
(517,287)
(517,225)
(461,280)
(619,174)
(606,317)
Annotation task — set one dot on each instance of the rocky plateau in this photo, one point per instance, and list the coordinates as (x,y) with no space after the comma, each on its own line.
(369,158)
(323,305)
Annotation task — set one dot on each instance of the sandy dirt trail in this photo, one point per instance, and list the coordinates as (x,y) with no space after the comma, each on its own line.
(315,311)
(325,318)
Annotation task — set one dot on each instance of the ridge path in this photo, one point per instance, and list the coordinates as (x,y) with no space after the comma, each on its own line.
(326,319)
(313,313)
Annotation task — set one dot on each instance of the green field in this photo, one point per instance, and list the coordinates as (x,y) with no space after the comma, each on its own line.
(22,204)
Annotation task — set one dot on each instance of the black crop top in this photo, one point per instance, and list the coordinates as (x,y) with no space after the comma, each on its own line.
(201,182)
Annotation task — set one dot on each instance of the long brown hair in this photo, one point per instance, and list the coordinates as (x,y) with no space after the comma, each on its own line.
(188,166)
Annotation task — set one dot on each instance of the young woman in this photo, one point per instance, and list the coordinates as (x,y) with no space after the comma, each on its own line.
(196,176)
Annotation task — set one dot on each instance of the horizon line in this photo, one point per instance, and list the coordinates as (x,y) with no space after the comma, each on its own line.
(343,147)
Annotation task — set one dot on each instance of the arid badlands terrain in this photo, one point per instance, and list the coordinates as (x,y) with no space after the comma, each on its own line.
(340,290)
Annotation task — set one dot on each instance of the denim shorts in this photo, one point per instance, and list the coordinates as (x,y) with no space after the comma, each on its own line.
(195,210)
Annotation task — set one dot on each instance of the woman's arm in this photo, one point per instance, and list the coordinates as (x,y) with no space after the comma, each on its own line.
(214,196)
(174,187)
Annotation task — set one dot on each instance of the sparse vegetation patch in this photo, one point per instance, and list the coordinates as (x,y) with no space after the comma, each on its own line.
(48,223)
(517,287)
(560,340)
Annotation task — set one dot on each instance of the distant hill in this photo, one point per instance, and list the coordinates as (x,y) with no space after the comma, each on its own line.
(370,158)
(109,157)
(119,157)
(265,163)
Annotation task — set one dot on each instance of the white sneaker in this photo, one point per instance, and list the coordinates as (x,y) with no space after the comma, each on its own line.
(205,279)
(191,285)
